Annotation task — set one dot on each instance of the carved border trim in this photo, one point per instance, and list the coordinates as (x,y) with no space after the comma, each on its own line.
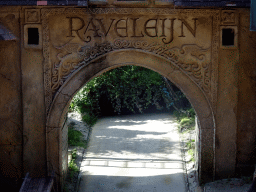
(29,14)
(46,64)
(215,61)
(144,11)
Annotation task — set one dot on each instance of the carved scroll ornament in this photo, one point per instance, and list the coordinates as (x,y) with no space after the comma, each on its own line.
(74,56)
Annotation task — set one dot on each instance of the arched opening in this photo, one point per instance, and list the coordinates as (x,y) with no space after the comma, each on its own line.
(135,144)
(56,116)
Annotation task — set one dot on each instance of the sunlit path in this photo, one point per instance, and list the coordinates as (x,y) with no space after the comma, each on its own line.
(133,153)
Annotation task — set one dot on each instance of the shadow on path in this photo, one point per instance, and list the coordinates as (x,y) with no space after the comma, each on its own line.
(133,153)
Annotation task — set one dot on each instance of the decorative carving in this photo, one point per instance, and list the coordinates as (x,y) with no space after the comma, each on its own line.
(228,17)
(201,65)
(193,60)
(129,11)
(32,15)
(214,61)
(74,56)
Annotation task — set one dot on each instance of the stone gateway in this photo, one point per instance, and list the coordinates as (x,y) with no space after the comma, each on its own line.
(80,44)
(208,53)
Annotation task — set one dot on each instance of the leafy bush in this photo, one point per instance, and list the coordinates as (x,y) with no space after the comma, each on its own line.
(191,152)
(73,154)
(191,144)
(191,112)
(74,137)
(89,119)
(129,88)
(185,121)
(72,168)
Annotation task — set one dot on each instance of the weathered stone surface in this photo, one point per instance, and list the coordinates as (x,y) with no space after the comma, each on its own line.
(11,161)
(10,106)
(11,132)
(34,150)
(10,101)
(53,149)
(206,160)
(246,108)
(226,114)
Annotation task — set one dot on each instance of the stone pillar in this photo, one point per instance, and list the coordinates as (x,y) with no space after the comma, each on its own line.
(246,132)
(34,133)
(225,141)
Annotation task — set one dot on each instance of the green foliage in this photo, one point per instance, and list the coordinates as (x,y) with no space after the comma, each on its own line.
(186,124)
(72,107)
(129,88)
(90,119)
(191,149)
(191,112)
(191,144)
(73,153)
(186,120)
(72,168)
(191,152)
(179,116)
(188,113)
(74,137)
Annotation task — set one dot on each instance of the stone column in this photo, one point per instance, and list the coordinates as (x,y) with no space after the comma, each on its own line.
(226,121)
(34,147)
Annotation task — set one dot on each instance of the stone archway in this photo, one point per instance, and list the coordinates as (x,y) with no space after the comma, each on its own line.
(56,133)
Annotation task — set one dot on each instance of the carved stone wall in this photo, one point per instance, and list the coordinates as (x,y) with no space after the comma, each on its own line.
(189,39)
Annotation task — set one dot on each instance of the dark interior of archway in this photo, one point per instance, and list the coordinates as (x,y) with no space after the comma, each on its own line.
(105,106)
(108,110)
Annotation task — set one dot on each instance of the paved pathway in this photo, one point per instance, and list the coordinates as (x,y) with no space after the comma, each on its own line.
(137,153)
